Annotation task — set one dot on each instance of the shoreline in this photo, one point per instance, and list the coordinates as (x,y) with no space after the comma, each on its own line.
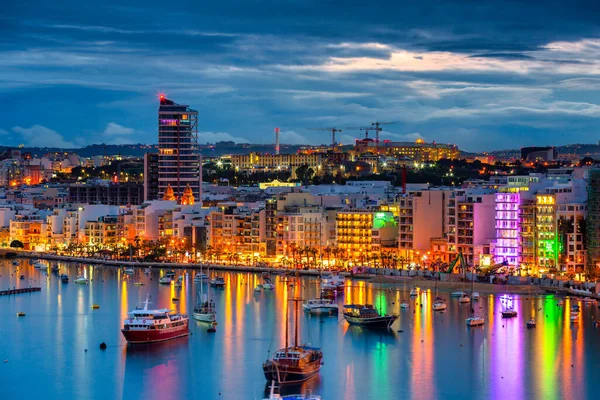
(398,281)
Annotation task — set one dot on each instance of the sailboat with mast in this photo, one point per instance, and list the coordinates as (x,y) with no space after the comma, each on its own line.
(205,308)
(296,363)
(439,304)
(474,320)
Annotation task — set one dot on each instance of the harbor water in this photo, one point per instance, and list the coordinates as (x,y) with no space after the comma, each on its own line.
(53,351)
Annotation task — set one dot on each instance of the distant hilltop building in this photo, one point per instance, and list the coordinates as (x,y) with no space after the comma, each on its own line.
(533,154)
(419,151)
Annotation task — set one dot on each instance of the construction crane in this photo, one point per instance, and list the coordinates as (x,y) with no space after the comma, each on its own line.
(458,258)
(332,130)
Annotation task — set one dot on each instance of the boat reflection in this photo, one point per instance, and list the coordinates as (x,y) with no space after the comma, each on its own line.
(311,386)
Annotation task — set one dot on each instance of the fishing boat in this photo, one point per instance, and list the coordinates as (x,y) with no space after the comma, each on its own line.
(64,278)
(439,304)
(458,293)
(509,313)
(320,305)
(81,280)
(404,305)
(217,282)
(296,363)
(531,323)
(165,280)
(148,326)
(464,299)
(128,271)
(474,320)
(205,308)
(415,291)
(366,315)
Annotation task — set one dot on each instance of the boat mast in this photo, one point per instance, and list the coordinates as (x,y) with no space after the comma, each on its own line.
(287,320)
(296,323)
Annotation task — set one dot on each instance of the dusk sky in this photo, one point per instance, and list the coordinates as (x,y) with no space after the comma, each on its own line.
(482,74)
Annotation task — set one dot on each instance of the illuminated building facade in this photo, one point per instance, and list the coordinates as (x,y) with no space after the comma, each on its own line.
(419,151)
(261,162)
(300,227)
(546,231)
(178,156)
(365,232)
(508,229)
(593,221)
(102,231)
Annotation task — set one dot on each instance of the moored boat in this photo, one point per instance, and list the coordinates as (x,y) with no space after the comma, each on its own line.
(404,305)
(267,285)
(509,313)
(147,326)
(205,310)
(415,291)
(296,363)
(439,304)
(366,315)
(165,280)
(458,293)
(200,277)
(217,282)
(320,305)
(128,271)
(475,321)
(328,294)
(64,278)
(476,296)
(81,280)
(574,316)
(531,323)
(464,299)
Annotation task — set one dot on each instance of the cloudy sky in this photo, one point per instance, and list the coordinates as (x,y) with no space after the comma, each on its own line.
(482,74)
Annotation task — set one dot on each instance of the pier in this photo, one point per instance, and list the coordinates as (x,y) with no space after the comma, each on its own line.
(19,291)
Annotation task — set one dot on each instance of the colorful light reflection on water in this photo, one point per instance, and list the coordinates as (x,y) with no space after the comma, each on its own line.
(436,356)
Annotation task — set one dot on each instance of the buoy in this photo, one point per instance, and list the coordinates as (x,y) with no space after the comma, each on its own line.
(102,346)
(95,306)
(20,314)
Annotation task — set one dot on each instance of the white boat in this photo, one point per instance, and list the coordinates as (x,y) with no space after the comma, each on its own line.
(320,305)
(40,265)
(439,305)
(476,296)
(170,274)
(200,277)
(509,313)
(205,309)
(404,305)
(147,271)
(574,316)
(415,292)
(531,323)
(464,299)
(217,281)
(138,283)
(129,271)
(81,279)
(458,293)
(475,321)
(165,280)
(267,285)
(180,278)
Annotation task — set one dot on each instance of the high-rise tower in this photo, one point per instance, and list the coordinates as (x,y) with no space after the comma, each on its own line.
(178,154)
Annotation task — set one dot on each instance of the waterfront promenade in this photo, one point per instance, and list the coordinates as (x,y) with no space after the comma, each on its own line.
(385,276)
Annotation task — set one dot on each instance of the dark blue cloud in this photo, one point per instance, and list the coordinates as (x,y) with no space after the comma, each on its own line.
(479,74)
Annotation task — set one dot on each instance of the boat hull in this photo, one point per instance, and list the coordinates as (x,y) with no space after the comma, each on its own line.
(379,322)
(320,309)
(155,335)
(282,375)
(204,317)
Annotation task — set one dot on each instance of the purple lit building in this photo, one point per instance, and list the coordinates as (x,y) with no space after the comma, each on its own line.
(508,229)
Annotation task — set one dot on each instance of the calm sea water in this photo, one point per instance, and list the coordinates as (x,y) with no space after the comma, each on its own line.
(434,357)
